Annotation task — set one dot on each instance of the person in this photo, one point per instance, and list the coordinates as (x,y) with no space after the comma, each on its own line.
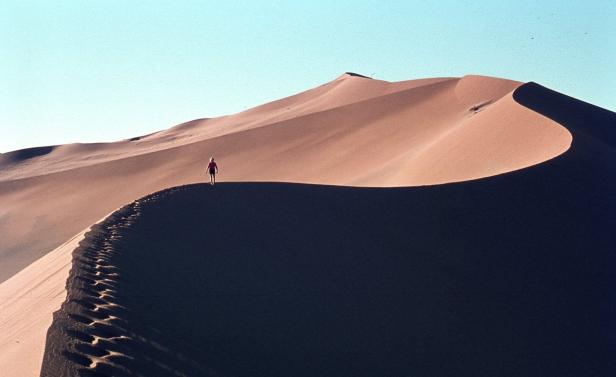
(212,169)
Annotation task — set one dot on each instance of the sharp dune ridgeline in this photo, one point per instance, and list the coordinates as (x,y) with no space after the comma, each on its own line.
(475,239)
(351,131)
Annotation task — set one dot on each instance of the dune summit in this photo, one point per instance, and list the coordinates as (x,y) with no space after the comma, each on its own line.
(537,236)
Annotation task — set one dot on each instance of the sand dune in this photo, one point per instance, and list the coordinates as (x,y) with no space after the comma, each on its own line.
(494,277)
(507,275)
(539,236)
(350,131)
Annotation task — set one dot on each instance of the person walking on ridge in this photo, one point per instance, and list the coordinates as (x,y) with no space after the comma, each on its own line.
(213,170)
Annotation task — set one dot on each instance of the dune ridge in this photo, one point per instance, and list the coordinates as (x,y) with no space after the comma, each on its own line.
(102,342)
(350,131)
(337,281)
(507,275)
(586,171)
(340,92)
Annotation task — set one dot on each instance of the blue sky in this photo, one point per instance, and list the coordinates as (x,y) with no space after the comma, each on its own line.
(85,71)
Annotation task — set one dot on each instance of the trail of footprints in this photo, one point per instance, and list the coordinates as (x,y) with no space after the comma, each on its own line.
(101,343)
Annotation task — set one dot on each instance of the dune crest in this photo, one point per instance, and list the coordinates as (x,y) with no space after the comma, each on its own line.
(274,279)
(450,98)
(510,274)
(350,131)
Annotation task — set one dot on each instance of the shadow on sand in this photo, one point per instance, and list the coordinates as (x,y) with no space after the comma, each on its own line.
(511,275)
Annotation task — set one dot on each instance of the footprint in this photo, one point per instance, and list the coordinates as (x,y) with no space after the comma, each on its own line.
(81,319)
(93,298)
(101,287)
(107,294)
(106,283)
(110,370)
(98,315)
(115,345)
(86,280)
(77,358)
(86,304)
(105,331)
(119,360)
(91,350)
(82,336)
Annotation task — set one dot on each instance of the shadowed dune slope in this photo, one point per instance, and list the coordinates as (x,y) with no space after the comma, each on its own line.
(19,156)
(506,276)
(351,131)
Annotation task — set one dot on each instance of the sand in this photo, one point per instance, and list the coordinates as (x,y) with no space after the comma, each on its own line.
(351,131)
(272,279)
(26,301)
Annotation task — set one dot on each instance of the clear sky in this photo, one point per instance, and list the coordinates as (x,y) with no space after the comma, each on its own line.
(84,71)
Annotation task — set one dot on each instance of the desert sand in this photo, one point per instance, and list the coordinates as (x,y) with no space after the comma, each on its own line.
(351,131)
(26,300)
(497,227)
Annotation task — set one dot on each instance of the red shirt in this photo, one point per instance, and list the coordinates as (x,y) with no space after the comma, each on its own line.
(212,166)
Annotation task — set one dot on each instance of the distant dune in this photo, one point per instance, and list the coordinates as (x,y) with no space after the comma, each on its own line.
(494,271)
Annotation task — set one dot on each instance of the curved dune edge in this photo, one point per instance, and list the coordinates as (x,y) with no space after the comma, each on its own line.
(350,132)
(444,129)
(45,292)
(503,137)
(27,301)
(476,300)
(91,303)
(526,96)
(41,286)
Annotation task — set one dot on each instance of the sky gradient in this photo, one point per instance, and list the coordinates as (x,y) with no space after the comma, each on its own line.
(90,71)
